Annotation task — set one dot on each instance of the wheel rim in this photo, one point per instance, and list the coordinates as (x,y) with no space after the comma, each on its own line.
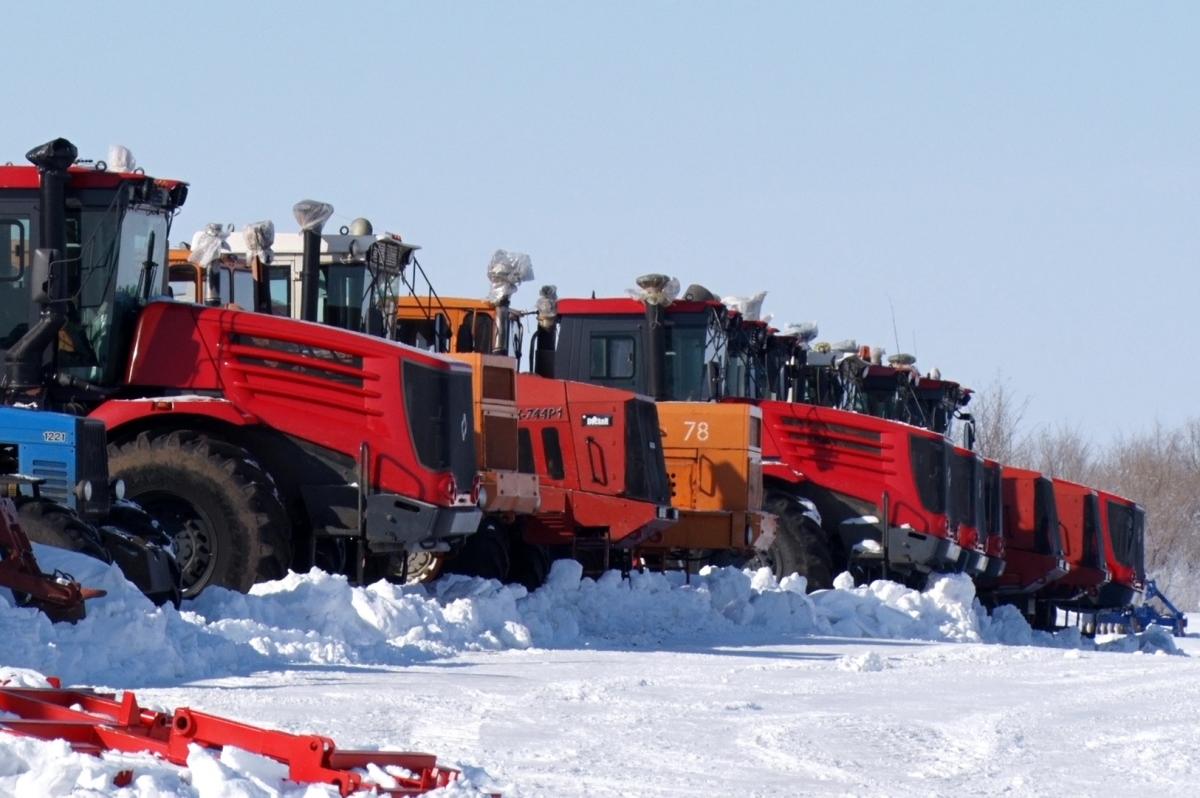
(195,539)
(422,566)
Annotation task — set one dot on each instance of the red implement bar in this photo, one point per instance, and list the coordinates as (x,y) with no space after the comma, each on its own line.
(59,596)
(94,722)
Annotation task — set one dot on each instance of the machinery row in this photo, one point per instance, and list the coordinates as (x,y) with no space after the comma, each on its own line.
(253,403)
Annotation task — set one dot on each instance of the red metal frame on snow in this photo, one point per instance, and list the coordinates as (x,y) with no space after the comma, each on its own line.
(95,722)
(59,597)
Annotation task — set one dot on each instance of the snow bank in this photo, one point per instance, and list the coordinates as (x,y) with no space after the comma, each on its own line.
(316,618)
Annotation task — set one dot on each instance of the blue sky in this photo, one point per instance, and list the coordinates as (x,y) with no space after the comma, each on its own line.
(1020,181)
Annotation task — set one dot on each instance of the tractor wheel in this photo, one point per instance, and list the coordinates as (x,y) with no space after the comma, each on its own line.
(485,554)
(57,525)
(529,563)
(219,507)
(800,545)
(1045,616)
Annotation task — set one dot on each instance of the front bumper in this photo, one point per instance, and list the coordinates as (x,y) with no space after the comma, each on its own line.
(906,549)
(397,523)
(973,562)
(720,530)
(149,566)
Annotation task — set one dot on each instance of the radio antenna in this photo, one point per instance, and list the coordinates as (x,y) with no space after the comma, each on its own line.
(895,334)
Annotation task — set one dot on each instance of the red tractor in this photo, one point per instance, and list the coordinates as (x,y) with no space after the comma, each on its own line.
(262,443)
(830,475)
(596,452)
(848,377)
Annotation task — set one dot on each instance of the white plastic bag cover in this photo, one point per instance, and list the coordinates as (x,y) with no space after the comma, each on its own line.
(547,305)
(749,306)
(208,244)
(849,346)
(506,272)
(260,236)
(312,215)
(655,289)
(120,159)
(804,331)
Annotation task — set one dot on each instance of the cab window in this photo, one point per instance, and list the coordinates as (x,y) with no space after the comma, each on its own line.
(613,357)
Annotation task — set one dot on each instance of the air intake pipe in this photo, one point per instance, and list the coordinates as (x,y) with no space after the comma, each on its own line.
(311,216)
(24,360)
(541,352)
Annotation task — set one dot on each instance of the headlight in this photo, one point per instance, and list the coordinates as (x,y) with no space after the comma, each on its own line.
(118,489)
(483,497)
(83,491)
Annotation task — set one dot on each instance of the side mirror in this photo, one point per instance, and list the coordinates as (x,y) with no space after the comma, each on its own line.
(39,275)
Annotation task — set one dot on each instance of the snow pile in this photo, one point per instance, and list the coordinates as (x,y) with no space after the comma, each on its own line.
(317,618)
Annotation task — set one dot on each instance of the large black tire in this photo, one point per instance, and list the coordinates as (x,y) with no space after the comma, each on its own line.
(221,509)
(485,554)
(529,563)
(800,546)
(54,524)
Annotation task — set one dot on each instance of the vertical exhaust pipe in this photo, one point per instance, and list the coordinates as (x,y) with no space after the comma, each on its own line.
(23,362)
(657,291)
(656,338)
(311,216)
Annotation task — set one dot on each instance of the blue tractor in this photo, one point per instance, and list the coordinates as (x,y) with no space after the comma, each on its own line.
(65,498)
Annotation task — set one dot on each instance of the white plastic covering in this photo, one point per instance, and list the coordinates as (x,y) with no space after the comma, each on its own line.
(749,306)
(260,237)
(209,243)
(655,289)
(805,331)
(312,215)
(849,346)
(120,159)
(902,359)
(506,272)
(547,305)
(877,353)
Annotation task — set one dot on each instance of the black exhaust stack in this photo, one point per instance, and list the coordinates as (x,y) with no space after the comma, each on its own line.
(311,215)
(656,295)
(23,362)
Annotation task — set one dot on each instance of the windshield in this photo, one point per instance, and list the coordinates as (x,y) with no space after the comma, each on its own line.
(693,341)
(118,270)
(746,364)
(342,294)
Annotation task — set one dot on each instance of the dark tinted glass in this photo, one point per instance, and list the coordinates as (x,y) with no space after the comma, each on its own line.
(553,453)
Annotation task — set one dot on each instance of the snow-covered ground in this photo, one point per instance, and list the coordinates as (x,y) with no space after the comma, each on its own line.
(730,685)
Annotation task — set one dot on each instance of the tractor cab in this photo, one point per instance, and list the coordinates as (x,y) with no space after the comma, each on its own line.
(68,308)
(675,350)
(226,281)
